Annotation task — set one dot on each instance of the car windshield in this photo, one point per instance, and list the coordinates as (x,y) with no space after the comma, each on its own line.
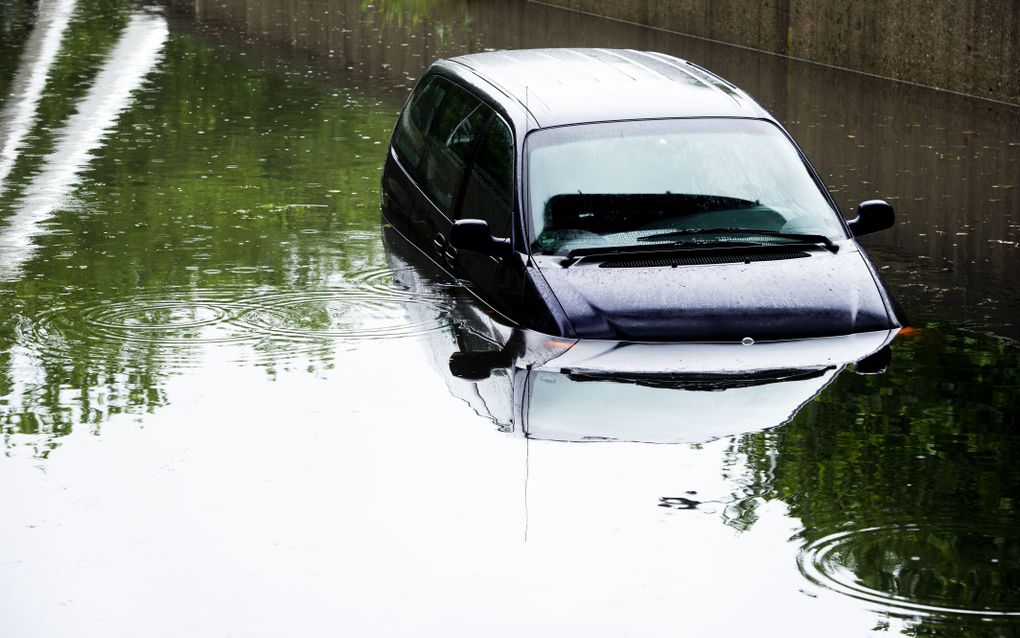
(682,182)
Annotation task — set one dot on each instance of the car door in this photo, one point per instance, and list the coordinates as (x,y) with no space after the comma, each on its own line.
(489,195)
(453,133)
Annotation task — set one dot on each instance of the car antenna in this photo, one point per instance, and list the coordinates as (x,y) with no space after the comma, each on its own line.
(526,107)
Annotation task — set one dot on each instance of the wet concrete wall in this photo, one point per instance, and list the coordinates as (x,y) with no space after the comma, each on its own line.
(970,46)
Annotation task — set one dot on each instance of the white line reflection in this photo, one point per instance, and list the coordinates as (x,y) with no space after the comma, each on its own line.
(27,375)
(19,112)
(134,56)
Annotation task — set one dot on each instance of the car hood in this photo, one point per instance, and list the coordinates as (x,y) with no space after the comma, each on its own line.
(819,294)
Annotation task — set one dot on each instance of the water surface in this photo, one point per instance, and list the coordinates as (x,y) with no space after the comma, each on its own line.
(227,405)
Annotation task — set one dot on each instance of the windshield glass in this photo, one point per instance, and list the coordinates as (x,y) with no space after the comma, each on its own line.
(644,184)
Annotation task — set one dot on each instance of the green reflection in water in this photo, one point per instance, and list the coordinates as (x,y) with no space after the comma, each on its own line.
(220,191)
(412,13)
(906,483)
(16,20)
(82,49)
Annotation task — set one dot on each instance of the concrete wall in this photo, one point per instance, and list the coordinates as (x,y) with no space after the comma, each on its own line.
(969,46)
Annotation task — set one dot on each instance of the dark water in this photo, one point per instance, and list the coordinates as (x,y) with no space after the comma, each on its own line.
(227,406)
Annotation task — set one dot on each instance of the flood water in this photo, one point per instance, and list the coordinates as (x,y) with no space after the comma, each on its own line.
(228,407)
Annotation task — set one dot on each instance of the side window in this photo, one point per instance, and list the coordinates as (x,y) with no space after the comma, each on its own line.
(489,194)
(450,140)
(415,121)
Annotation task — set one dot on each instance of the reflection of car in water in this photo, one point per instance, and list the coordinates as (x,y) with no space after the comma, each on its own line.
(595,390)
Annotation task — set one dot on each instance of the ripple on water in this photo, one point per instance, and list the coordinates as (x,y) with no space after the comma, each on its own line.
(341,314)
(401,284)
(163,320)
(937,570)
(158,328)
(382,282)
(168,328)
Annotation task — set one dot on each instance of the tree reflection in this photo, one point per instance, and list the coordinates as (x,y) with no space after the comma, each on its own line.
(207,200)
(915,471)
(412,13)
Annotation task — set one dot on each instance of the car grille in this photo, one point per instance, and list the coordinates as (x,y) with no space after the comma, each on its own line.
(730,257)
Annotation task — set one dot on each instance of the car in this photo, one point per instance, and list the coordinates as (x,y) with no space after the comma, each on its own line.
(628,196)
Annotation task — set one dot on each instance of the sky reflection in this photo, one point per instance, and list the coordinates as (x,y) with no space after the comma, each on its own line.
(19,110)
(132,58)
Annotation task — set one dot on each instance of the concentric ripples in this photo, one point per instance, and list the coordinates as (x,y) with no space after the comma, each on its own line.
(168,321)
(328,315)
(382,283)
(169,327)
(163,328)
(935,570)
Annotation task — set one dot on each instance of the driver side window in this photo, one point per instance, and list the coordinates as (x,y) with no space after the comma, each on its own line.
(489,193)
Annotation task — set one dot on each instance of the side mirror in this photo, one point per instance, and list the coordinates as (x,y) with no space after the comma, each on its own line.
(874,363)
(872,215)
(477,366)
(474,235)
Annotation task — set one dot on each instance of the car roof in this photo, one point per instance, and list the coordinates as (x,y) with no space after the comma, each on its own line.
(574,85)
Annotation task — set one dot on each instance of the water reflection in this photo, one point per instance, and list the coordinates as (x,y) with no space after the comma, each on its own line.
(133,57)
(211,289)
(906,483)
(940,569)
(900,474)
(165,210)
(19,109)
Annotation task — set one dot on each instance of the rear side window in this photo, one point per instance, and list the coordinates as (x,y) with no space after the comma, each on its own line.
(489,193)
(416,120)
(437,135)
(459,120)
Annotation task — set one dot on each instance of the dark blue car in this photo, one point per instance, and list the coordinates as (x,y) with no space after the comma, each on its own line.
(626,195)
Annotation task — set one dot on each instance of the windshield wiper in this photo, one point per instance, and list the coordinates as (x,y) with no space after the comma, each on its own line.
(671,247)
(814,239)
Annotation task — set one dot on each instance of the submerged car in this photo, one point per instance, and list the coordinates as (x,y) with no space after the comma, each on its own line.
(626,195)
